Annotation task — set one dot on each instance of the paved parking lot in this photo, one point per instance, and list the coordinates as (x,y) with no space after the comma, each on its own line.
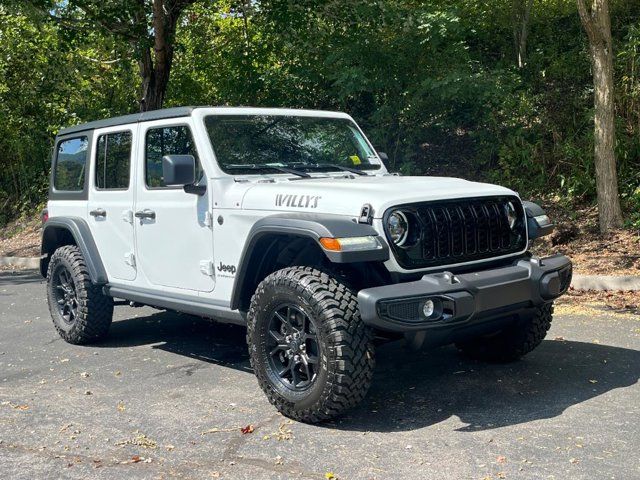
(166,396)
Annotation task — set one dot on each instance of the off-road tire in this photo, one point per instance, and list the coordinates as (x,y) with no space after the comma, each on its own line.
(95,310)
(347,353)
(513,342)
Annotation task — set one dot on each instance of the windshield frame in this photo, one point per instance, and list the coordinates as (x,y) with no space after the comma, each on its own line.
(375,166)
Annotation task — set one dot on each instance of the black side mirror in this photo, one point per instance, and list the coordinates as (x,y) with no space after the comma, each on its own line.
(180,170)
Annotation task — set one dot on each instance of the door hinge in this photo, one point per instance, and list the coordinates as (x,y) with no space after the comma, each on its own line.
(127,216)
(206,268)
(130,259)
(208,219)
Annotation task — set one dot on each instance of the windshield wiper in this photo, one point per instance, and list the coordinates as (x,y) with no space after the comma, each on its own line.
(253,166)
(334,165)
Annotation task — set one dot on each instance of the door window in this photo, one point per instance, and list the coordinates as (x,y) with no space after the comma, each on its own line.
(113,161)
(161,141)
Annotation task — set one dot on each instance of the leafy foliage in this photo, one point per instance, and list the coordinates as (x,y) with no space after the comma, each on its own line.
(436,85)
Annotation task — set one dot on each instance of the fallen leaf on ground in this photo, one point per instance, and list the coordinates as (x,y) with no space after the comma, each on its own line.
(218,430)
(329,476)
(121,407)
(248,429)
(501,459)
(16,406)
(284,432)
(140,440)
(593,381)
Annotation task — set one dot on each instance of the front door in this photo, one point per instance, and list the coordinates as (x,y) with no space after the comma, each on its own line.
(174,240)
(110,203)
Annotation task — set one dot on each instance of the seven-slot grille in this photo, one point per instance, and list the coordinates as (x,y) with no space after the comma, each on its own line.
(459,231)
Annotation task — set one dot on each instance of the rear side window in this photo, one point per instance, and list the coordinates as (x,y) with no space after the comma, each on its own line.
(71,161)
(174,140)
(113,161)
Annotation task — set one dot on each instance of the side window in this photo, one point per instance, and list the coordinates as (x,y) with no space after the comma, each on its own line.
(113,161)
(174,140)
(71,160)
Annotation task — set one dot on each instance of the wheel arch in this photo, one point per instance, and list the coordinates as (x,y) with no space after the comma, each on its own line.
(280,241)
(61,231)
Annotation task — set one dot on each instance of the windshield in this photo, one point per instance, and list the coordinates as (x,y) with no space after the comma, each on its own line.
(256,143)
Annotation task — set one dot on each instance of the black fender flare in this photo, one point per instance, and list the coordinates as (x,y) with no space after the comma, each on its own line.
(535,229)
(53,237)
(313,226)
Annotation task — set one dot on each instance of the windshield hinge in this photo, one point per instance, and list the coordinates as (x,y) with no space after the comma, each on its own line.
(366,214)
(208,219)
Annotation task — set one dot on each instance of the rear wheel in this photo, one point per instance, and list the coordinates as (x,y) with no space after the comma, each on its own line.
(513,342)
(81,313)
(311,352)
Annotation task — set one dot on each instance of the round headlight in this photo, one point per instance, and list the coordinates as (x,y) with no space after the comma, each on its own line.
(512,215)
(398,227)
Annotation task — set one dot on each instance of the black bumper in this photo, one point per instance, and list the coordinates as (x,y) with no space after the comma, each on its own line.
(464,300)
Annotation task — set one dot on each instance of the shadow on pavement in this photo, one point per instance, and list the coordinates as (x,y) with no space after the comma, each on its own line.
(417,389)
(192,337)
(20,277)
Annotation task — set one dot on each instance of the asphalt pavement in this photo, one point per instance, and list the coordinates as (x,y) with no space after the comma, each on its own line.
(166,396)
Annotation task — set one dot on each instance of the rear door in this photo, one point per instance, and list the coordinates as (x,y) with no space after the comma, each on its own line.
(110,205)
(174,240)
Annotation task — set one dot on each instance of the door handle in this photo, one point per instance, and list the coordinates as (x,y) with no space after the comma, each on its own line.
(146,213)
(98,212)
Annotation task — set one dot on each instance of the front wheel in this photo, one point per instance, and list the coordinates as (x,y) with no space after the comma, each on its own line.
(311,352)
(514,341)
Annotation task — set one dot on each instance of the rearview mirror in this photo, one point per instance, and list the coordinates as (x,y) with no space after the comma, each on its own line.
(179,170)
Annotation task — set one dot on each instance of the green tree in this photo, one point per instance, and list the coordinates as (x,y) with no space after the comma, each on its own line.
(148,27)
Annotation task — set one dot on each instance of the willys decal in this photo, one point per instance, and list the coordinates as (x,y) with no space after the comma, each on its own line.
(297,201)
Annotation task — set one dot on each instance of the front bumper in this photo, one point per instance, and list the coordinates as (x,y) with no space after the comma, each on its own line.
(469,299)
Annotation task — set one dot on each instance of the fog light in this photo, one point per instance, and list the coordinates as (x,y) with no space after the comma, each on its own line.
(428,308)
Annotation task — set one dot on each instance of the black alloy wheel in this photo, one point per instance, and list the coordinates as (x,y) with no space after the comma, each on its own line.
(294,349)
(65,294)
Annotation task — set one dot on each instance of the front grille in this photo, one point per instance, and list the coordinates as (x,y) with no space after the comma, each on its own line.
(458,231)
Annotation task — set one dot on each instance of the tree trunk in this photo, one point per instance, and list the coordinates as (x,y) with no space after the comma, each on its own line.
(597,24)
(155,69)
(521,16)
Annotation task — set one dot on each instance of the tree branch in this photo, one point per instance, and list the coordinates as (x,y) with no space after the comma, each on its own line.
(594,34)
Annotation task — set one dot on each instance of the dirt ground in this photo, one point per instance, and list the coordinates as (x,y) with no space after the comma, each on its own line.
(577,236)
(21,238)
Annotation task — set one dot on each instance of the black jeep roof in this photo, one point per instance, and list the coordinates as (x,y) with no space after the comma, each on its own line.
(133,118)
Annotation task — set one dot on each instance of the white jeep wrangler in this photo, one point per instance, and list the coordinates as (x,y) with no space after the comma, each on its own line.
(288,222)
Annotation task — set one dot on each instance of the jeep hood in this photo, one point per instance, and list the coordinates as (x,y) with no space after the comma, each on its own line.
(346,196)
